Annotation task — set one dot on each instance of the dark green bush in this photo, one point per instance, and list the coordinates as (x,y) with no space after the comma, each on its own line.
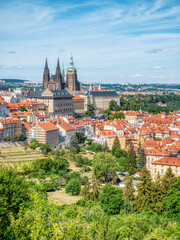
(73,187)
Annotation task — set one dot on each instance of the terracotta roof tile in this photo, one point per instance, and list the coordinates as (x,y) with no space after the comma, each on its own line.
(48,126)
(169,161)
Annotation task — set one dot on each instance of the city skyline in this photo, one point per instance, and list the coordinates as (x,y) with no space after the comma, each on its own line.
(111,41)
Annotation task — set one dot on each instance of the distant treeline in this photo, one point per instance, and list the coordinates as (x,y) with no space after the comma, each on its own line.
(150,103)
(14,80)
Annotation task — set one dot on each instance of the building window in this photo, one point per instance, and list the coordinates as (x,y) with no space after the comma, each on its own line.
(162,170)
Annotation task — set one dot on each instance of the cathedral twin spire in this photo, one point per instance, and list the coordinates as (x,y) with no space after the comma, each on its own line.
(55,82)
(61,81)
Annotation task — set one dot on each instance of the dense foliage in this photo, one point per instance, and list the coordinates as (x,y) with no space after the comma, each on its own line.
(150,210)
(151,103)
(105,166)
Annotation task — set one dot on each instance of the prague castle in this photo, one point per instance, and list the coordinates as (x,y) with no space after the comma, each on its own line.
(59,81)
(55,93)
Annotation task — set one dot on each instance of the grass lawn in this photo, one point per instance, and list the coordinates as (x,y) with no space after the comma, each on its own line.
(61,197)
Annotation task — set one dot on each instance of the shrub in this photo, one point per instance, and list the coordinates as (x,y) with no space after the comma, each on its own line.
(73,187)
(45,148)
(33,143)
(50,165)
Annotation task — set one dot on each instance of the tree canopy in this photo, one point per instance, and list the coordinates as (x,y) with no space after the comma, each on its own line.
(105,166)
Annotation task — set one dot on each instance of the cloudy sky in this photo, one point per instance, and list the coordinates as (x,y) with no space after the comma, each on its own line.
(112,41)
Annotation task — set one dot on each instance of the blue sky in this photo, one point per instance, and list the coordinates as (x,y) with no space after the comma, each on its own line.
(135,41)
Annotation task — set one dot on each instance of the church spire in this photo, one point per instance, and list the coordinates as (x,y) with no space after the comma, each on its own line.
(46,64)
(46,76)
(58,65)
(58,77)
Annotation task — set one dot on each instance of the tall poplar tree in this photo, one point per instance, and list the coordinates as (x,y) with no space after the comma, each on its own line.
(131,159)
(91,190)
(73,141)
(167,180)
(116,145)
(141,158)
(105,148)
(128,191)
(144,191)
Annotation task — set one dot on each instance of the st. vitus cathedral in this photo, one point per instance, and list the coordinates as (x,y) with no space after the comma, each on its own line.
(60,81)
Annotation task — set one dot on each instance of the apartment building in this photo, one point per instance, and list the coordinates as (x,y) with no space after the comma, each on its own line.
(160,166)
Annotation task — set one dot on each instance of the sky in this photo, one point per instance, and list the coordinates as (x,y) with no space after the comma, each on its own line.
(113,41)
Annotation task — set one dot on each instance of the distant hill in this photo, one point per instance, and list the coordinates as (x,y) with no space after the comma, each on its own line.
(13,80)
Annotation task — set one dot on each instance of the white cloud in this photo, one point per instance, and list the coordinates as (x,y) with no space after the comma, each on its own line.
(158,67)
(137,75)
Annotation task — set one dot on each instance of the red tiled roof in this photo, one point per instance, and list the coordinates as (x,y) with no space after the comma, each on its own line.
(48,126)
(67,126)
(169,161)
(78,98)
(27,126)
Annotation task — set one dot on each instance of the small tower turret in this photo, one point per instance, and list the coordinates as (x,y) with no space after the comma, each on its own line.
(99,87)
(90,87)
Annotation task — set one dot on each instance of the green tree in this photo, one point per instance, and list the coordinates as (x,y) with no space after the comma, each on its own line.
(116,145)
(131,159)
(73,142)
(107,111)
(73,187)
(50,165)
(172,200)
(45,148)
(40,221)
(90,112)
(22,137)
(167,180)
(105,148)
(23,109)
(105,166)
(157,197)
(111,199)
(80,136)
(96,147)
(91,190)
(141,158)
(117,115)
(120,153)
(33,143)
(144,191)
(13,193)
(128,191)
(122,165)
(112,105)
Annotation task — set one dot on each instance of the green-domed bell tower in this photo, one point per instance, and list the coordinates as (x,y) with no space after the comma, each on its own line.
(71,77)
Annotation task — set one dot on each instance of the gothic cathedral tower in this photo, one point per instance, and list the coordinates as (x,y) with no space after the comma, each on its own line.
(58,77)
(71,77)
(46,76)
(55,81)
